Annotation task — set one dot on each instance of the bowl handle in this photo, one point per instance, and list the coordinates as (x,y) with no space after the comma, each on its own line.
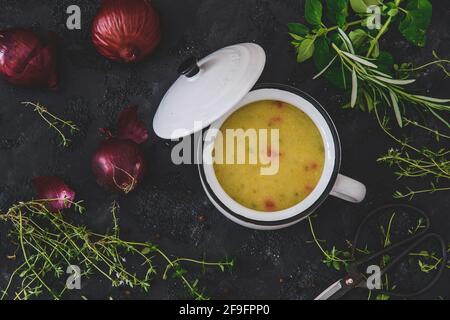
(348,189)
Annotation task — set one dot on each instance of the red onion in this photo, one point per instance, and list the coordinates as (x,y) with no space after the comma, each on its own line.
(118,164)
(126,30)
(25,60)
(131,127)
(54,189)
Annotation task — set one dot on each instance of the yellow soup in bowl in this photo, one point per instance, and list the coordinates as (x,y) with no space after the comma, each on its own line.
(298,152)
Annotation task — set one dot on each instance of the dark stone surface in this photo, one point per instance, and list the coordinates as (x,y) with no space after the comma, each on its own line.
(167,207)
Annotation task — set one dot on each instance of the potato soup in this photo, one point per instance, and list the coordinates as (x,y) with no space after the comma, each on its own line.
(299,153)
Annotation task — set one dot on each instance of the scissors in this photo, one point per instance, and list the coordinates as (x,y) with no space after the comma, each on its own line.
(357,279)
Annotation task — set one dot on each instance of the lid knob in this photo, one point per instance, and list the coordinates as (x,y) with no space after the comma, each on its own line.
(189,68)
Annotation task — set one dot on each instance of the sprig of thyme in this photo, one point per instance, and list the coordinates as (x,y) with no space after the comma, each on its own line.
(54,122)
(414,162)
(338,259)
(407,68)
(47,244)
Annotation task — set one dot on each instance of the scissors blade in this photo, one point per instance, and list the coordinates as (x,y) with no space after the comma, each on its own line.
(330,291)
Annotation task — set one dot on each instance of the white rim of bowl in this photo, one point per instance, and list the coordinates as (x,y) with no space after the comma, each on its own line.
(329,165)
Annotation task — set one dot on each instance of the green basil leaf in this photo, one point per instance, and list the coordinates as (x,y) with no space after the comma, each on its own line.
(359,6)
(376,51)
(322,57)
(305,50)
(296,43)
(296,37)
(385,62)
(392,12)
(313,12)
(358,38)
(322,54)
(337,11)
(373,2)
(298,29)
(416,21)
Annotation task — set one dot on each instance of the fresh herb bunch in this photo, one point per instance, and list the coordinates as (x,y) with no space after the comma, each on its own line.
(355,61)
(48,244)
(54,122)
(417,162)
(349,55)
(371,87)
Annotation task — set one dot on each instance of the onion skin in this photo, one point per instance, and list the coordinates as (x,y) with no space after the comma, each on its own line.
(118,165)
(54,188)
(126,30)
(27,61)
(131,127)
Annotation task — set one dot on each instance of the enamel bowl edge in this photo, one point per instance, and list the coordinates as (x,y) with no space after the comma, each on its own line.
(274,220)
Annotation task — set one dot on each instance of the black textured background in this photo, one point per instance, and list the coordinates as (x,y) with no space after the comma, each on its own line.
(170,207)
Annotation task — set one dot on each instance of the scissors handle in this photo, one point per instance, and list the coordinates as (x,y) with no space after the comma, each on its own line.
(398,244)
(409,243)
(406,252)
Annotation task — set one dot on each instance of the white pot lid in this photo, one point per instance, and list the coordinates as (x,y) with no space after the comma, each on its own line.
(208,89)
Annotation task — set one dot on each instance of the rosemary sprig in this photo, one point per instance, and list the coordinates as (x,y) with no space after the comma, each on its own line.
(48,244)
(375,89)
(349,52)
(371,87)
(54,122)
